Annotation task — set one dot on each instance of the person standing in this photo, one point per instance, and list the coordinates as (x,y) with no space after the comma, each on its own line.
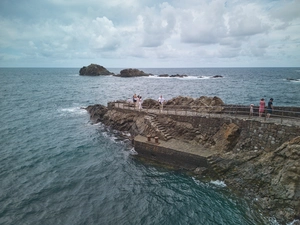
(161,101)
(134,99)
(140,102)
(251,110)
(270,108)
(262,105)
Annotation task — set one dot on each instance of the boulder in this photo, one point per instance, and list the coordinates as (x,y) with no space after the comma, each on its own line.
(94,70)
(132,73)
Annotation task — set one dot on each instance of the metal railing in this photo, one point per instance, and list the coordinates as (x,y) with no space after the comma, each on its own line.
(233,111)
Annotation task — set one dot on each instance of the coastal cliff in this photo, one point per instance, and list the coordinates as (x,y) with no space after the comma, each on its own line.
(256,159)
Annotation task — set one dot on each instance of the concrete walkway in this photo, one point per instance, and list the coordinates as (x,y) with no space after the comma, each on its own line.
(273,119)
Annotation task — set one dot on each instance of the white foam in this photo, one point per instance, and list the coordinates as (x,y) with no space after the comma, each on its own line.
(293,222)
(218,183)
(73,110)
(73,75)
(296,81)
(203,77)
(180,78)
(133,152)
(273,221)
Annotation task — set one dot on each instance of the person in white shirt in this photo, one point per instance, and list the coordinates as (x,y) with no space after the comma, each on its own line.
(161,101)
(140,102)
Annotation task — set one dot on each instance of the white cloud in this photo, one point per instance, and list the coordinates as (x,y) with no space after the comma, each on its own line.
(150,33)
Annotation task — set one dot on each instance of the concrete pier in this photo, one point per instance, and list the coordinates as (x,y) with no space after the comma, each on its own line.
(173,152)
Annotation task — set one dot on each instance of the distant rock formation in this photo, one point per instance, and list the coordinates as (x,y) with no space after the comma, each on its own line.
(174,75)
(292,79)
(132,73)
(94,70)
(163,75)
(217,76)
(178,75)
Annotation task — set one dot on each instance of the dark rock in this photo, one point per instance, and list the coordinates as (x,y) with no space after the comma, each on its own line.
(217,76)
(132,73)
(178,75)
(163,75)
(292,79)
(150,104)
(94,70)
(96,112)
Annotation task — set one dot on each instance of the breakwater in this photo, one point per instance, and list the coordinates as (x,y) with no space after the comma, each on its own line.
(254,157)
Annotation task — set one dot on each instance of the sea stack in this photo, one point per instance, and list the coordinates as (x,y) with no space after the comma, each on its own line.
(94,70)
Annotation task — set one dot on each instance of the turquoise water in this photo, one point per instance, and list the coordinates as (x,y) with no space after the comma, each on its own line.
(56,167)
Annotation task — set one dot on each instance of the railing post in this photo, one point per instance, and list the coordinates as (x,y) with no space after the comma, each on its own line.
(281,116)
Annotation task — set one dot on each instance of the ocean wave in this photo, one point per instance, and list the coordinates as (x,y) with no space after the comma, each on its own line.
(73,75)
(181,78)
(133,152)
(204,77)
(218,183)
(72,110)
(294,80)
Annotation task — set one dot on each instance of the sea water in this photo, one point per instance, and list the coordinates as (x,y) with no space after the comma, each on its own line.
(56,167)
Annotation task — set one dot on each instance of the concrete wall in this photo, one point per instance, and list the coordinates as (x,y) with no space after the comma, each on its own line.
(169,156)
(254,134)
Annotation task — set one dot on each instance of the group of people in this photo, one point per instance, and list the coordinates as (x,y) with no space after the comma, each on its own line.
(262,106)
(137,101)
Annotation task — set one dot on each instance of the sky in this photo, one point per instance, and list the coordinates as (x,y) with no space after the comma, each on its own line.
(150,33)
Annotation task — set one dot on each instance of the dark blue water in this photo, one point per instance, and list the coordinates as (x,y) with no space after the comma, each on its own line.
(56,167)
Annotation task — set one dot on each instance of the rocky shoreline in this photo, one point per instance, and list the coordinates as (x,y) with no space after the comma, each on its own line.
(268,175)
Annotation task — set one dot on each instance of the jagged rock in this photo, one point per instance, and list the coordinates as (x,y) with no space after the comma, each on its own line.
(150,104)
(163,75)
(178,75)
(94,70)
(226,138)
(272,178)
(132,73)
(202,104)
(180,101)
(97,112)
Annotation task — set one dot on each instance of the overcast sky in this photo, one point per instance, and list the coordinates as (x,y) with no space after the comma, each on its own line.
(149,33)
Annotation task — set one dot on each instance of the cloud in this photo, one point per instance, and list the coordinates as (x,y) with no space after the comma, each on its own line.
(149,33)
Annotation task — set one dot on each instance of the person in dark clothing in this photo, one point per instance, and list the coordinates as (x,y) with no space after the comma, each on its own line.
(270,108)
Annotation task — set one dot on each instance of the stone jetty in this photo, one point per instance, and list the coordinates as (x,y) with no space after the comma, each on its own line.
(257,159)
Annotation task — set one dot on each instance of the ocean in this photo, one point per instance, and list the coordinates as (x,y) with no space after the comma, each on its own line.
(57,167)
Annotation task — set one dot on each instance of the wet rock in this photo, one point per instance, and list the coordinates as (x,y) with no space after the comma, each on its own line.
(217,76)
(132,73)
(94,70)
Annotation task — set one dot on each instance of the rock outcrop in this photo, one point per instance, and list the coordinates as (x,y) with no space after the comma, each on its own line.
(202,104)
(94,70)
(132,73)
(271,178)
